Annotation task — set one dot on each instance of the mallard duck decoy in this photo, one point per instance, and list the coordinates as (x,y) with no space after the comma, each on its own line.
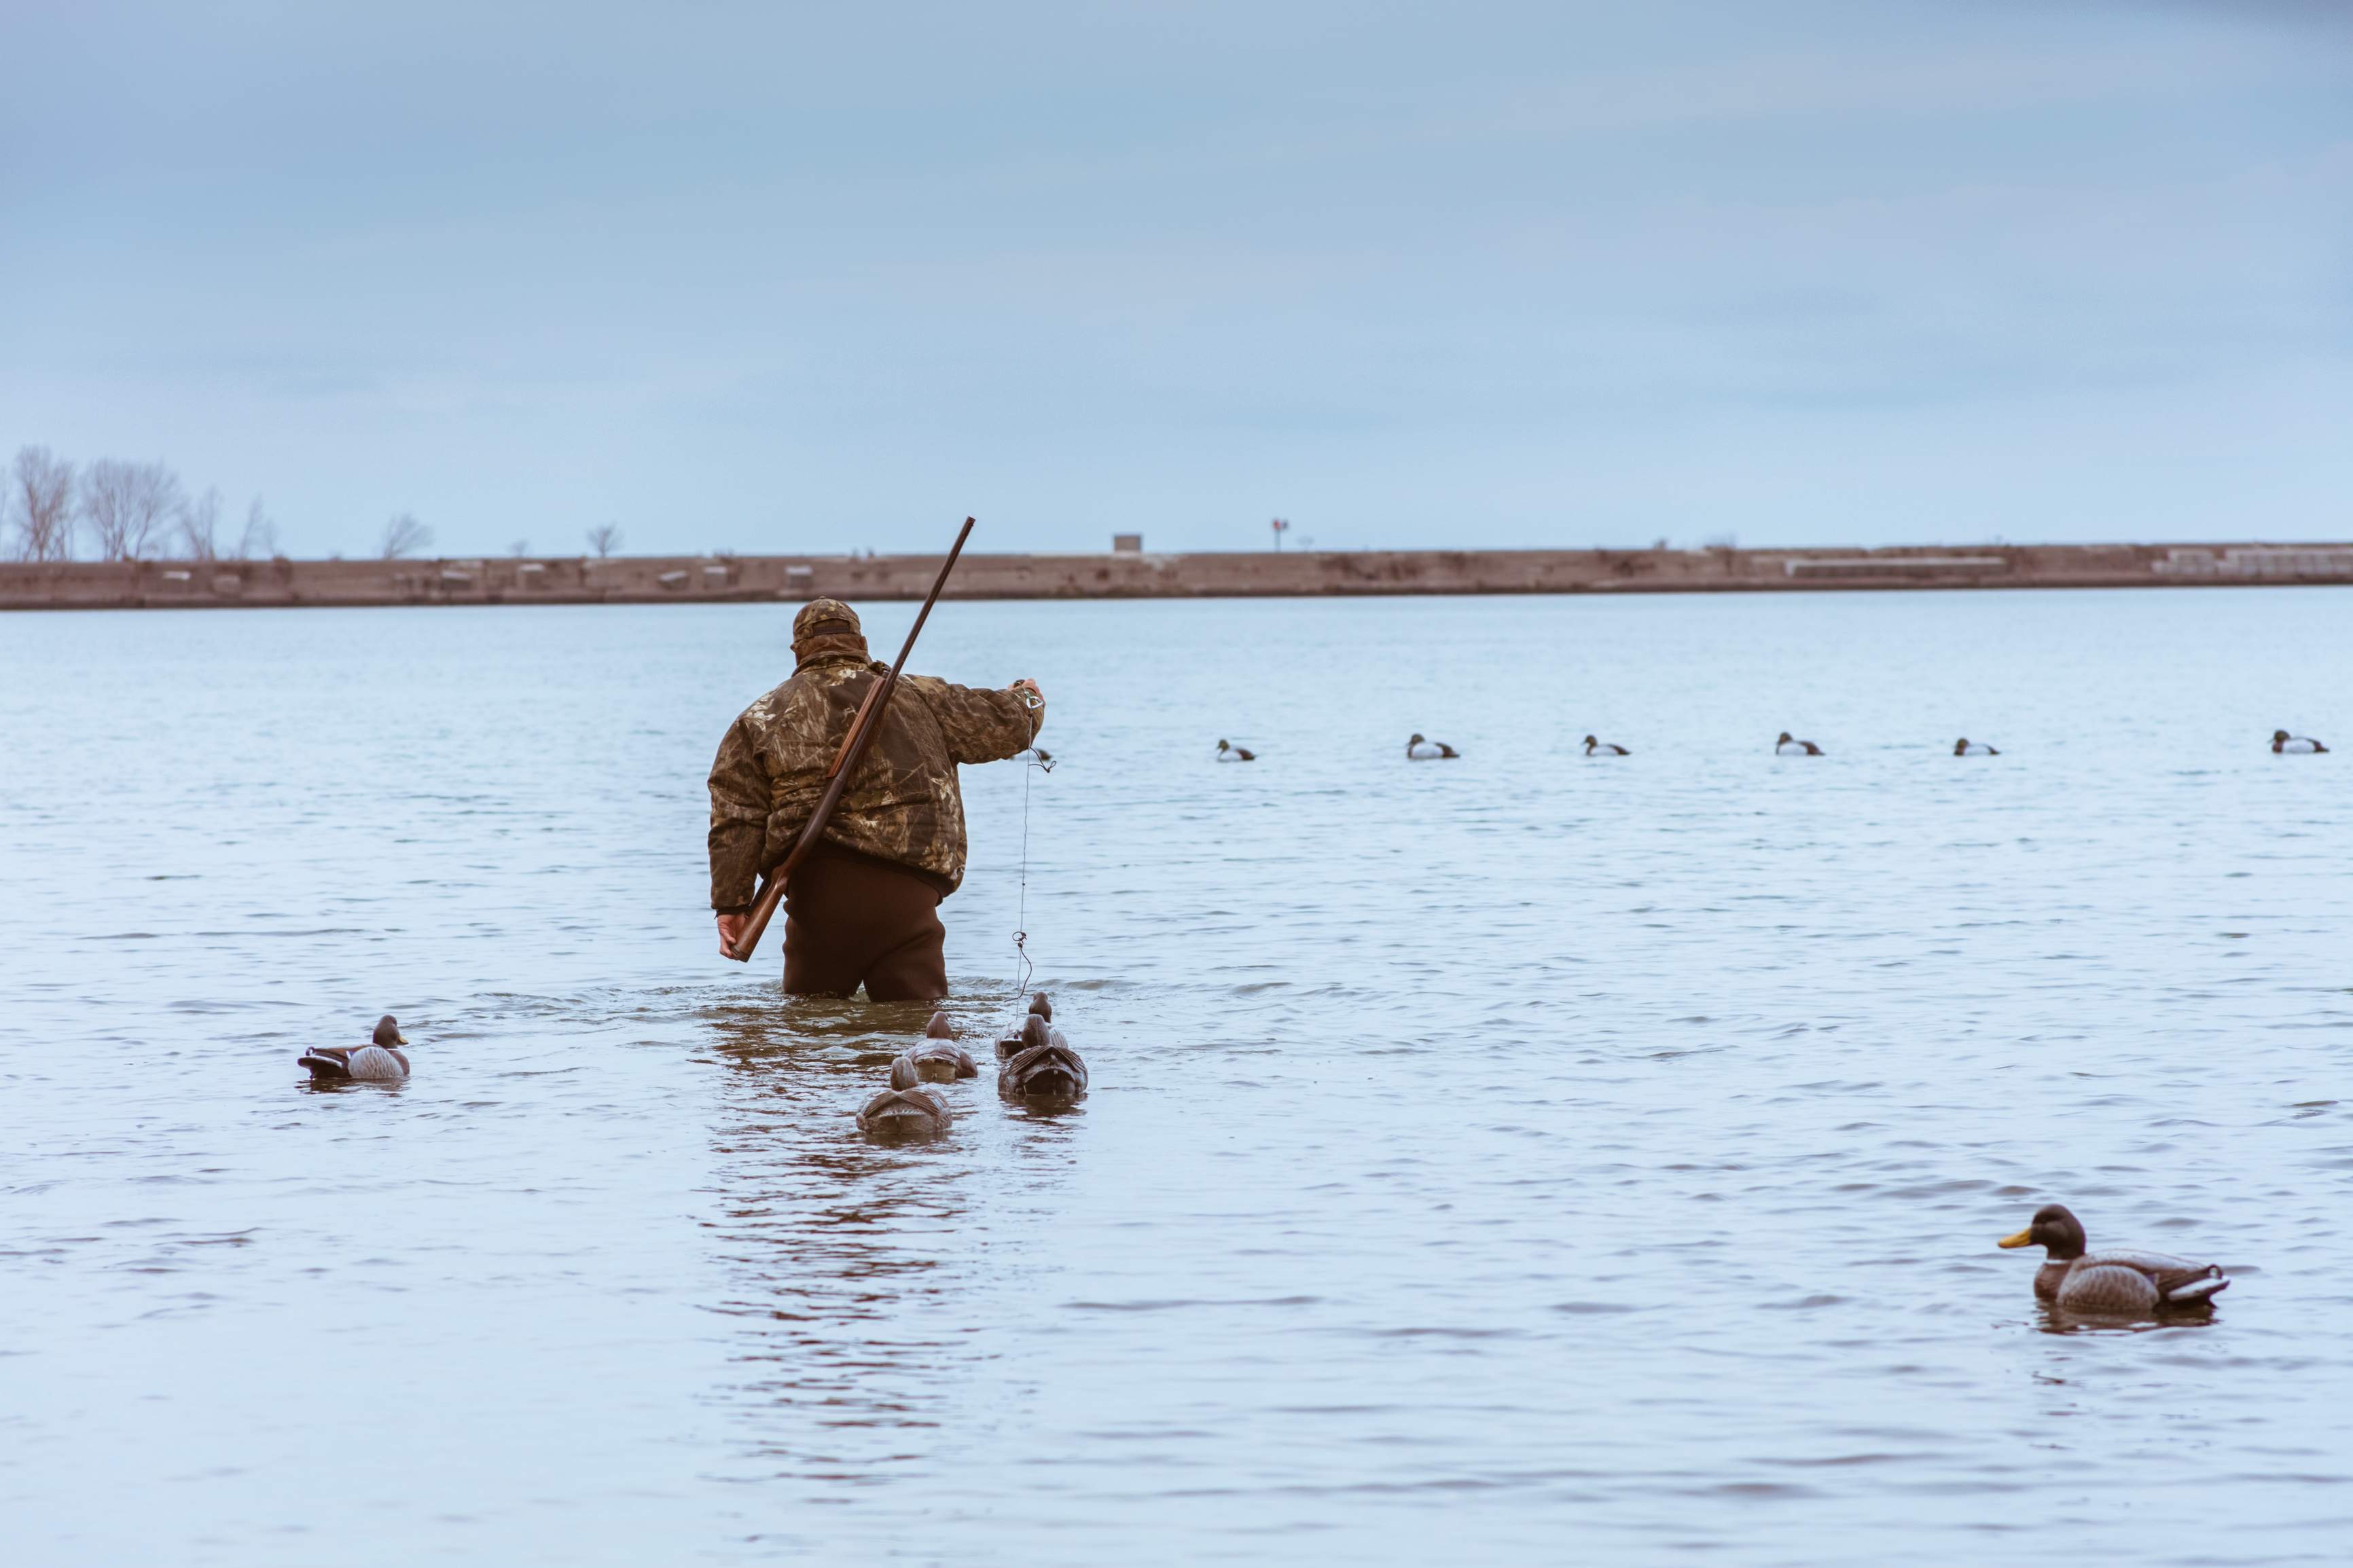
(381,1060)
(2302,745)
(1594,748)
(1787,747)
(939,1059)
(1419,749)
(903,1110)
(1965,747)
(2123,1281)
(1040,1006)
(1044,1069)
(1228,752)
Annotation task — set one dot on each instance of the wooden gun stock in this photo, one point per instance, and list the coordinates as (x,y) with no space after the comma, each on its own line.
(845,764)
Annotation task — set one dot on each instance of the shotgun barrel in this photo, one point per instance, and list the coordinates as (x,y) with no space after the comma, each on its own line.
(845,765)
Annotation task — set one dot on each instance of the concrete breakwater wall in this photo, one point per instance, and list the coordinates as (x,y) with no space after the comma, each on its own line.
(1134,575)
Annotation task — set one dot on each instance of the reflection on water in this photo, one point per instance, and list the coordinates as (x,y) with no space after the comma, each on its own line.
(2052,1320)
(823,1238)
(1526,1157)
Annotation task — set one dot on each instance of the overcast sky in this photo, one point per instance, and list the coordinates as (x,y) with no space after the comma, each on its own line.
(1569,272)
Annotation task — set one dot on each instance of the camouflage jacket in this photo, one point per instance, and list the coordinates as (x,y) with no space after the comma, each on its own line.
(902,803)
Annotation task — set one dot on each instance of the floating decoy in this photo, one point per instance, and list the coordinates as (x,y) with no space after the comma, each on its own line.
(1040,1006)
(904,1111)
(1787,747)
(1965,747)
(939,1059)
(1421,750)
(2124,1281)
(1043,1069)
(1594,748)
(1229,754)
(2301,745)
(381,1060)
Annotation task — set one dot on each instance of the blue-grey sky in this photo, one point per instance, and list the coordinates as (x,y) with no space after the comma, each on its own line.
(777,277)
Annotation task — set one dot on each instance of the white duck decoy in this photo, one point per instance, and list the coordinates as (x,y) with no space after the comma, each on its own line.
(1419,749)
(2302,745)
(1787,747)
(2122,1281)
(381,1060)
(1965,747)
(1594,748)
(1233,753)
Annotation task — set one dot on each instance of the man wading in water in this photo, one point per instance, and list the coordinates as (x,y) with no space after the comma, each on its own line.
(864,905)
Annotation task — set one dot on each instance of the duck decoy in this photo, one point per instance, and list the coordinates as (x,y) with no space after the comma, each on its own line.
(381,1060)
(904,1111)
(1965,747)
(1419,749)
(1594,748)
(1787,747)
(2123,1281)
(1044,1070)
(2303,745)
(939,1059)
(1231,753)
(1040,1006)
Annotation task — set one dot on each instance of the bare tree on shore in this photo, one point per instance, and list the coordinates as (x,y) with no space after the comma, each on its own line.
(605,539)
(200,526)
(127,506)
(260,540)
(404,535)
(39,511)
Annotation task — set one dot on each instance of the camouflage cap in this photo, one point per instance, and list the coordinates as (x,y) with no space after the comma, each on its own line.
(823,617)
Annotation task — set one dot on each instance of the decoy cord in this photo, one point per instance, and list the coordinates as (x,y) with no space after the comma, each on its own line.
(1039,761)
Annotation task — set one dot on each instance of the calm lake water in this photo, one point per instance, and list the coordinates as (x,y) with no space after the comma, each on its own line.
(1519,1159)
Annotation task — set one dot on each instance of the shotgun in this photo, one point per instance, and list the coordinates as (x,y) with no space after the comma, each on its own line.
(845,763)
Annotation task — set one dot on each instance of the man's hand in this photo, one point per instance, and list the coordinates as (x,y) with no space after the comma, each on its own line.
(731,931)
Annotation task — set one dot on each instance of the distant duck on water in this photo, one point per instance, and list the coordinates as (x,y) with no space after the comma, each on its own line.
(2303,745)
(1419,749)
(1594,748)
(2119,1281)
(381,1060)
(1965,747)
(1787,747)
(1233,753)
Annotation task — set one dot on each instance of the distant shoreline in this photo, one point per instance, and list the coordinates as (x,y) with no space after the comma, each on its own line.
(1134,574)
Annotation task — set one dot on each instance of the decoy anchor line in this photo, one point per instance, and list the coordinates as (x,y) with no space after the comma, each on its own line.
(1041,761)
